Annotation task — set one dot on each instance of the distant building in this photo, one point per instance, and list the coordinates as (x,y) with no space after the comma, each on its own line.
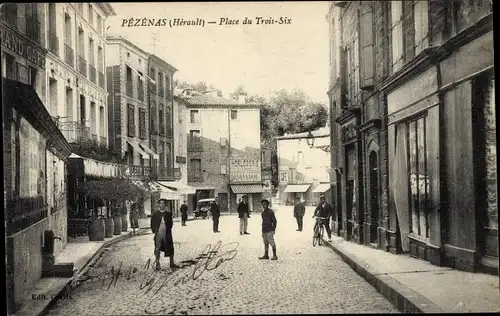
(414,139)
(303,170)
(223,148)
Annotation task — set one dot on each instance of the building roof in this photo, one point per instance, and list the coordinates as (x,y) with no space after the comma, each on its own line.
(207,100)
(107,8)
(127,42)
(321,132)
(161,61)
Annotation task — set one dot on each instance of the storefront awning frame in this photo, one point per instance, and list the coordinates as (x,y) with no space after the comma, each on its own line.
(136,146)
(297,188)
(149,151)
(180,187)
(322,188)
(247,188)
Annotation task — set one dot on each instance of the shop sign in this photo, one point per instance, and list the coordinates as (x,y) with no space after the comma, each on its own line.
(22,47)
(245,170)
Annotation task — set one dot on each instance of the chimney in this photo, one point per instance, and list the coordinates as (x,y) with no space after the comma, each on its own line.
(241,99)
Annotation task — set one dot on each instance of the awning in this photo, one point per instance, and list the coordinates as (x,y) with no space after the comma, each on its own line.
(136,146)
(322,188)
(166,193)
(247,188)
(180,187)
(149,151)
(297,188)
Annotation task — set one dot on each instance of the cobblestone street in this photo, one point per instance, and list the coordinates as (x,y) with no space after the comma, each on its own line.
(305,279)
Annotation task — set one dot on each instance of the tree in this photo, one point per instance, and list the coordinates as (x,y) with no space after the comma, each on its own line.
(237,92)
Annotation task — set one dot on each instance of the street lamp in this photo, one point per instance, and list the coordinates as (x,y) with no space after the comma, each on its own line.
(310,142)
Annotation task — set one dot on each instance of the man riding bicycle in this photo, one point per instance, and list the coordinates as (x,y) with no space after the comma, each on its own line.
(324,210)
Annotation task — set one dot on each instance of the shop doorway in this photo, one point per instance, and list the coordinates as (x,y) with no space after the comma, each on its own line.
(374,197)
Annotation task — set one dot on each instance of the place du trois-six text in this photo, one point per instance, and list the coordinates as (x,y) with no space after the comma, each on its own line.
(223,21)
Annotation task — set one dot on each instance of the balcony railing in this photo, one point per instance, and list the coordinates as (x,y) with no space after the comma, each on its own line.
(33,28)
(194,147)
(53,43)
(92,74)
(102,140)
(167,174)
(140,171)
(74,131)
(82,65)
(101,80)
(69,55)
(195,176)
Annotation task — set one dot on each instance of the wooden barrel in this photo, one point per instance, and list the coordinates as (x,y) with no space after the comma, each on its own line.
(117,220)
(96,230)
(124,223)
(110,227)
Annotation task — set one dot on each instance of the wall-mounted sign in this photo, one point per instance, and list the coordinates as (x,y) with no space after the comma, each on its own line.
(180,159)
(22,47)
(244,170)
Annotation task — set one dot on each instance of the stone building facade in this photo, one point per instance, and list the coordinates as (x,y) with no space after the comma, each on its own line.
(425,128)
(223,149)
(76,90)
(35,151)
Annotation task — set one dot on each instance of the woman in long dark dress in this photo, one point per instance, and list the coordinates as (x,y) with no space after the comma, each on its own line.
(161,225)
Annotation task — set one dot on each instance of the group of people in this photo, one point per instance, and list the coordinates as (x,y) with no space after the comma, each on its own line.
(162,224)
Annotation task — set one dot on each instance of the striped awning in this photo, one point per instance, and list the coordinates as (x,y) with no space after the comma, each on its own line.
(166,193)
(297,188)
(179,187)
(136,146)
(149,151)
(322,188)
(247,188)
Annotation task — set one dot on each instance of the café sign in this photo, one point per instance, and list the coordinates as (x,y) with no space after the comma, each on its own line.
(244,170)
(22,47)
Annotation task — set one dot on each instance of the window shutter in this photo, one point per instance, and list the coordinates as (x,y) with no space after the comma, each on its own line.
(367,42)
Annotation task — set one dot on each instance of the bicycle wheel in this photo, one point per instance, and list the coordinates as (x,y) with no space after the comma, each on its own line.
(320,235)
(315,238)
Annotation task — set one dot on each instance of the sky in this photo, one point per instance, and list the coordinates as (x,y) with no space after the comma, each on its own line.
(263,58)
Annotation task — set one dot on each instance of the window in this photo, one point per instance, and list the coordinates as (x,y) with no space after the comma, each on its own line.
(131,120)
(152,74)
(168,154)
(9,13)
(300,157)
(33,77)
(418,177)
(194,136)
(32,21)
(99,24)
(223,142)
(168,86)
(397,35)
(161,120)
(421,11)
(161,88)
(234,114)
(142,124)
(102,130)
(195,165)
(223,169)
(162,154)
(284,176)
(154,129)
(129,81)
(140,88)
(195,117)
(10,67)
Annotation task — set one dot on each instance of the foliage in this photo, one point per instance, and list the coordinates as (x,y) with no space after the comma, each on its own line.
(200,86)
(94,150)
(112,189)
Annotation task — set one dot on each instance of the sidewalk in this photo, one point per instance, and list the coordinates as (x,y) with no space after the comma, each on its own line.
(414,285)
(82,253)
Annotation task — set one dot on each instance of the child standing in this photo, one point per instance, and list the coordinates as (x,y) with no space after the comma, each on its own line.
(269,224)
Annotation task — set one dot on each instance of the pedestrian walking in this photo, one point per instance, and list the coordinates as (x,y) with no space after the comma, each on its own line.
(134,217)
(161,225)
(215,211)
(184,213)
(298,212)
(269,224)
(324,210)
(244,215)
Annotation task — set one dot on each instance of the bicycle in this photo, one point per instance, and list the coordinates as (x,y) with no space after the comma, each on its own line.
(319,231)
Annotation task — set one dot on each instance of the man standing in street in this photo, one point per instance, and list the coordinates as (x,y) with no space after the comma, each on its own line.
(298,212)
(215,211)
(244,215)
(324,210)
(269,224)
(184,213)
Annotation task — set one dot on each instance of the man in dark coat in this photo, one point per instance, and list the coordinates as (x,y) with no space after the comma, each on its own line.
(215,211)
(324,210)
(269,224)
(298,212)
(161,225)
(244,215)
(184,213)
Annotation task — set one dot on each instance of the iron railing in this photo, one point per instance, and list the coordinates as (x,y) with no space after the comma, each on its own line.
(82,65)
(194,146)
(195,176)
(92,74)
(53,43)
(69,55)
(74,131)
(101,80)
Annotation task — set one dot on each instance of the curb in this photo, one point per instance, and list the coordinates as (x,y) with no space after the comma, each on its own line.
(402,297)
(84,268)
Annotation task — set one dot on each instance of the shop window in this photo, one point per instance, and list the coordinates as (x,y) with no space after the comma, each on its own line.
(418,177)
